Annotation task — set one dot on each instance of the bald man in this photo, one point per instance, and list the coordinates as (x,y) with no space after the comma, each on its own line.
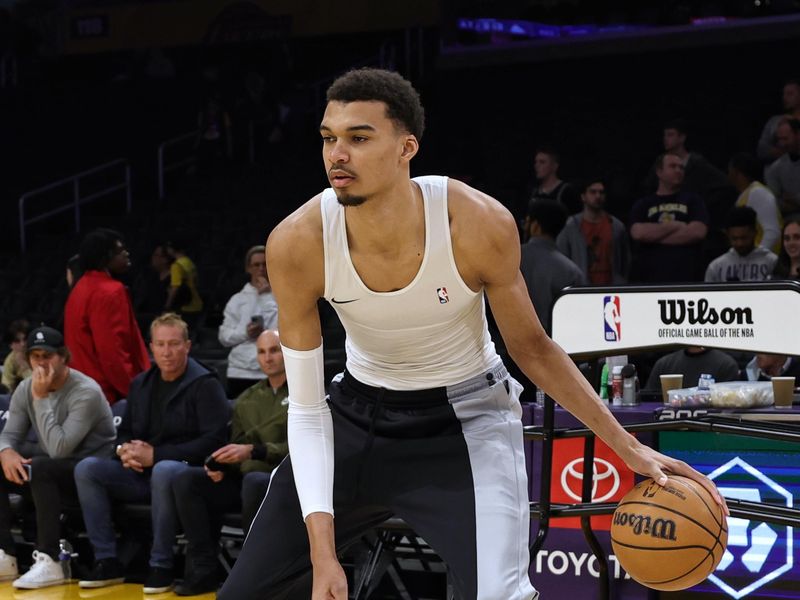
(258,443)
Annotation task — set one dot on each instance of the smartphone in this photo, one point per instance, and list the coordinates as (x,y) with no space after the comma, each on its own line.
(213,465)
(28,471)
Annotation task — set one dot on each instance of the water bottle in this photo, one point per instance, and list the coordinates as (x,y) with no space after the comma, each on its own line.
(539,396)
(65,558)
(705,381)
(629,385)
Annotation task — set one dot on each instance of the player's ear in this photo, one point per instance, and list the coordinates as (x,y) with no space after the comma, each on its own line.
(410,147)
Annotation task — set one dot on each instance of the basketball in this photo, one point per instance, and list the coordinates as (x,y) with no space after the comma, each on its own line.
(669,538)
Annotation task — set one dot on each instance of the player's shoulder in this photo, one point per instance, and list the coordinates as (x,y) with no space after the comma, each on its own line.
(298,233)
(472,211)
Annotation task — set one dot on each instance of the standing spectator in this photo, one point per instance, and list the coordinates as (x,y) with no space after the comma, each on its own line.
(768,149)
(16,367)
(702,178)
(546,271)
(595,240)
(157,282)
(72,420)
(214,147)
(788,264)
(99,323)
(176,415)
(783,176)
(744,261)
(239,475)
(669,227)
(744,171)
(74,271)
(549,186)
(248,312)
(183,296)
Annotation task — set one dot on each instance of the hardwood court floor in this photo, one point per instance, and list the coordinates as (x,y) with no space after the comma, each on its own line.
(125,591)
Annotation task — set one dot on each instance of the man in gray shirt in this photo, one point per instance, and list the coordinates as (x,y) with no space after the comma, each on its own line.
(71,419)
(783,176)
(546,271)
(744,261)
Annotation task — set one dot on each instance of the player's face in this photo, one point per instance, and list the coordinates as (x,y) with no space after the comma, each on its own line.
(742,239)
(594,196)
(791,240)
(364,152)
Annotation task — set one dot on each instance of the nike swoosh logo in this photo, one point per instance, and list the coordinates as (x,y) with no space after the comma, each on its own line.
(335,301)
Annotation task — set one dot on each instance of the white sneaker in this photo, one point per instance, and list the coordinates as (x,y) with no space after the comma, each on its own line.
(8,567)
(44,572)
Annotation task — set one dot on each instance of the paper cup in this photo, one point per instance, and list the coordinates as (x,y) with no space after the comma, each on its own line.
(671,381)
(783,390)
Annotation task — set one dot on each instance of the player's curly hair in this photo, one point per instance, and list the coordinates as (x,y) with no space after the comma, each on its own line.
(403,105)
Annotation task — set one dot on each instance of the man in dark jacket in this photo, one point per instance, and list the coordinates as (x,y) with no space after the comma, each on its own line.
(100,327)
(177,414)
(258,444)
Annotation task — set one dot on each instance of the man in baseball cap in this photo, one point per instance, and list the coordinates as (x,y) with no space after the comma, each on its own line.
(72,420)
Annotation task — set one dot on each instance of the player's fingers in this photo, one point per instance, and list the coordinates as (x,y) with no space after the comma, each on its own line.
(681,468)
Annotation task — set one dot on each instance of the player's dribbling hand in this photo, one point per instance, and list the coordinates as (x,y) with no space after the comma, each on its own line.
(330,582)
(646,461)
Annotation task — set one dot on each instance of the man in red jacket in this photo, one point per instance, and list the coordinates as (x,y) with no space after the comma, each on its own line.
(99,324)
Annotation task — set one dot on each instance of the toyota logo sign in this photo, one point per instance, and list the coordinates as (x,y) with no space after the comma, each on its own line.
(605,478)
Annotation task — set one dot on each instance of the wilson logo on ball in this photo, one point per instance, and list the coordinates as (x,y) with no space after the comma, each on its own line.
(645,525)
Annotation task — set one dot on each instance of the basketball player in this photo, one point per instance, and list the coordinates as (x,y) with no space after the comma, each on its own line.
(425,422)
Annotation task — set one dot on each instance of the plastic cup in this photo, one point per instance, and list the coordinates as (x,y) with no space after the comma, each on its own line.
(670,381)
(783,390)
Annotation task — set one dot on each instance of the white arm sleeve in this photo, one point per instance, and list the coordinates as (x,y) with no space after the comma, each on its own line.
(310,430)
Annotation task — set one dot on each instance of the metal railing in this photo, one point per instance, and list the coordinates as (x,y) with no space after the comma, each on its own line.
(165,167)
(77,199)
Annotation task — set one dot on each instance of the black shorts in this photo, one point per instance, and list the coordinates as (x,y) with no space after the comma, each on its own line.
(448,461)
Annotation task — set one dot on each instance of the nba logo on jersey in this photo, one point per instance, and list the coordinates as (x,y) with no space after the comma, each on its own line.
(443,297)
(612,318)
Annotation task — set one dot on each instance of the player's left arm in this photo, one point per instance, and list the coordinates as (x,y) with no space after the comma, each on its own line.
(491,258)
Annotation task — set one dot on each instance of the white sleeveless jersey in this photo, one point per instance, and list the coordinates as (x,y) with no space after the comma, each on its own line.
(431,333)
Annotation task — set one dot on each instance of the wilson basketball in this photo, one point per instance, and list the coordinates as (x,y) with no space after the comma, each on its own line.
(669,538)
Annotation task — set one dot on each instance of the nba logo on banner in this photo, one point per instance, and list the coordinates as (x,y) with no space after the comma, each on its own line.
(442,293)
(612,318)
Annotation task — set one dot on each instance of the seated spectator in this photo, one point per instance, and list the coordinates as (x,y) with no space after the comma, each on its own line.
(546,271)
(768,149)
(783,176)
(744,171)
(595,240)
(176,415)
(16,366)
(548,185)
(669,227)
(183,296)
(214,146)
(692,362)
(744,261)
(100,326)
(248,312)
(72,420)
(763,367)
(788,263)
(258,444)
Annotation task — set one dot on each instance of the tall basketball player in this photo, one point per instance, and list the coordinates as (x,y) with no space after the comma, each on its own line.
(425,421)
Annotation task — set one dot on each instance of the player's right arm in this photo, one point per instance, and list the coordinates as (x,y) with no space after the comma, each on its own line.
(296,266)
